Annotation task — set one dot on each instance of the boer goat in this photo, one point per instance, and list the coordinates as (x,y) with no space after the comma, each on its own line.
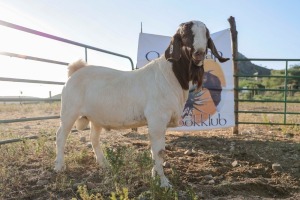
(153,95)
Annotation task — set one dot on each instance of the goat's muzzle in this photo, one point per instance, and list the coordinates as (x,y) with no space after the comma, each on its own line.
(198,62)
(198,57)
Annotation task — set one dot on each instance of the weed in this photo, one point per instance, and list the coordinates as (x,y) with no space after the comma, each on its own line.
(84,194)
(191,194)
(40,144)
(158,192)
(120,195)
(115,156)
(294,128)
(144,163)
(175,177)
(80,157)
(265,118)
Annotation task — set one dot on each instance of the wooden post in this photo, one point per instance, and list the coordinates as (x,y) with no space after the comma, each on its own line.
(234,39)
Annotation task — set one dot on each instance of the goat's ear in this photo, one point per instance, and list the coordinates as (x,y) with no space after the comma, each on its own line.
(211,45)
(173,52)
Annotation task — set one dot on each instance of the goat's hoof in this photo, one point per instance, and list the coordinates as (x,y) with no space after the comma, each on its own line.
(165,183)
(104,166)
(59,167)
(103,163)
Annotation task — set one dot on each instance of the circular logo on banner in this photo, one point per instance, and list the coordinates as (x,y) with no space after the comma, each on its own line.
(151,55)
(205,103)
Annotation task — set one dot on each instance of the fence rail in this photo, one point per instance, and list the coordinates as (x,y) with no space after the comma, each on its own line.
(32,58)
(266,89)
(285,91)
(5,121)
(30,81)
(52,37)
(266,101)
(20,99)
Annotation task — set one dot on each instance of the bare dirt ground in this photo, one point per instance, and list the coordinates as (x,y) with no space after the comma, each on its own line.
(262,162)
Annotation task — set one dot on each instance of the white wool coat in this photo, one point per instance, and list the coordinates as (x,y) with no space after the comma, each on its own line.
(118,99)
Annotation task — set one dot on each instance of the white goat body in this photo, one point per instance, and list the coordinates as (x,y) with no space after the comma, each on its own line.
(116,99)
(154,95)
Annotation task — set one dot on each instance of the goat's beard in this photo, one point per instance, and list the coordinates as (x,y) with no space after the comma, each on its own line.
(196,75)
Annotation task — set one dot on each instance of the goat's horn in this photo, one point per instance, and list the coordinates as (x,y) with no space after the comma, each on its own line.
(214,50)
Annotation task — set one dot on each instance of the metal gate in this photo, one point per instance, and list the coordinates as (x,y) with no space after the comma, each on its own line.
(283,89)
(52,37)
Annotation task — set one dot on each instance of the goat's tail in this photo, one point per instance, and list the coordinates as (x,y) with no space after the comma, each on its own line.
(82,123)
(73,67)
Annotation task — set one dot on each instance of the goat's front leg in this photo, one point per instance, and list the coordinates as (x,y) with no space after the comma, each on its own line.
(157,139)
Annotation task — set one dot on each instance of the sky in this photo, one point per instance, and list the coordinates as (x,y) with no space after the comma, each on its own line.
(266,29)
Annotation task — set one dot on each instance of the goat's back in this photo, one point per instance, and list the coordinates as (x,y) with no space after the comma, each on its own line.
(109,97)
(118,99)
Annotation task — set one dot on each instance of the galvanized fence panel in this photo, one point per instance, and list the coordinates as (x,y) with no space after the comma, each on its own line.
(285,92)
(52,37)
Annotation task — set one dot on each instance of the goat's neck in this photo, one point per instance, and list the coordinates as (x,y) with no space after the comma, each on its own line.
(172,81)
(181,69)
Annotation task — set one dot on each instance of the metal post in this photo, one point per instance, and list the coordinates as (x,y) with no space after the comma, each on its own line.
(285,90)
(85,54)
(234,34)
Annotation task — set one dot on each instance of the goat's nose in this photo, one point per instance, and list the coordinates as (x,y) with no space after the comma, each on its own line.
(198,55)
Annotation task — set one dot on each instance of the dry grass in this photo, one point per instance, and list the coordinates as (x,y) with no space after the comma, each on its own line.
(26,168)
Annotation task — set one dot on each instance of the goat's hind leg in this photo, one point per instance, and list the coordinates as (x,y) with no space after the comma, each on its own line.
(61,138)
(95,139)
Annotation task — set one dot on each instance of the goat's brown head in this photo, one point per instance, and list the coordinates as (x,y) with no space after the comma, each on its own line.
(190,44)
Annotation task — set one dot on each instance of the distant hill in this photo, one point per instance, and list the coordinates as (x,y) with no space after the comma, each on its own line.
(247,68)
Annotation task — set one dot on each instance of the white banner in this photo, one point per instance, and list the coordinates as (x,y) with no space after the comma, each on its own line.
(213,107)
